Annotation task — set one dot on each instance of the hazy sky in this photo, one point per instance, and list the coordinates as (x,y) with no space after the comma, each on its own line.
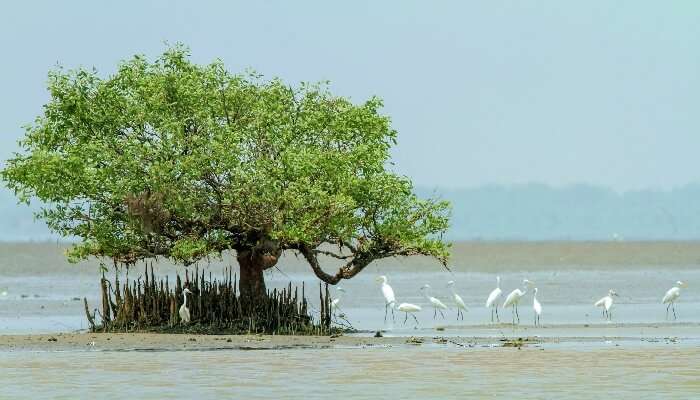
(482,92)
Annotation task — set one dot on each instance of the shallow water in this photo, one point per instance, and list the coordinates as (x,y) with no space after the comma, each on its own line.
(637,362)
(371,373)
(52,302)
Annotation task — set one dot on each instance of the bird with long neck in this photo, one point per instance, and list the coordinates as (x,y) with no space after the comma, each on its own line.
(492,300)
(434,302)
(536,307)
(184,310)
(671,296)
(459,303)
(513,299)
(389,298)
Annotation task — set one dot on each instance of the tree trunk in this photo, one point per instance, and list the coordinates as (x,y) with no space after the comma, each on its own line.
(251,281)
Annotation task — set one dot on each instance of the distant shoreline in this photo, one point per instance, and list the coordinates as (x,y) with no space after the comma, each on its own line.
(482,256)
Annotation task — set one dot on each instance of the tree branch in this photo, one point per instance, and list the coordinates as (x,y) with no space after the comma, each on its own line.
(347,271)
(334,255)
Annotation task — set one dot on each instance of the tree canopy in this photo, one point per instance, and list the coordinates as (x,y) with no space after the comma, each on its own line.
(174,159)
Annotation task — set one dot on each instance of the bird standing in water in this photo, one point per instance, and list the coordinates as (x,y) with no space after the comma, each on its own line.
(389,298)
(409,308)
(606,303)
(537,307)
(434,302)
(459,303)
(513,299)
(671,296)
(494,296)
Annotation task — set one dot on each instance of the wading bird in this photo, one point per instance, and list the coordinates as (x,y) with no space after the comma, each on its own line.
(606,303)
(537,307)
(336,301)
(434,302)
(409,308)
(513,299)
(389,298)
(459,303)
(184,311)
(671,296)
(494,296)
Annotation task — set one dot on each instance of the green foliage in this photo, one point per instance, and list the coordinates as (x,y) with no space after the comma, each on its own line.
(169,158)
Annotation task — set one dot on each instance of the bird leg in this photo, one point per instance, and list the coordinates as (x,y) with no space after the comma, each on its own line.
(386,311)
(516,312)
(393,317)
(673,307)
(498,319)
(667,307)
(405,319)
(414,317)
(434,313)
(441,313)
(492,315)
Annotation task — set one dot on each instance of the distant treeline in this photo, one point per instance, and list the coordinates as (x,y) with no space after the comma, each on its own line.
(518,212)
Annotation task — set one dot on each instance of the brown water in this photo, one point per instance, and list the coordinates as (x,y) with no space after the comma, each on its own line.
(637,356)
(628,372)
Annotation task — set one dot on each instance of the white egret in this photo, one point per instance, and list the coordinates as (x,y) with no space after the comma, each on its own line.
(434,302)
(184,311)
(537,307)
(336,301)
(409,308)
(671,296)
(459,303)
(513,299)
(606,303)
(494,296)
(389,298)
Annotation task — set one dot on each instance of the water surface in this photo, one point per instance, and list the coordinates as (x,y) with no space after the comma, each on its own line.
(639,355)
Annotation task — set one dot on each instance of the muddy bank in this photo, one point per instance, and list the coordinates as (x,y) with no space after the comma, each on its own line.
(178,342)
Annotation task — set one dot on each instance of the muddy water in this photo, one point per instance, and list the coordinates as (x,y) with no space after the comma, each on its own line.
(405,372)
(38,291)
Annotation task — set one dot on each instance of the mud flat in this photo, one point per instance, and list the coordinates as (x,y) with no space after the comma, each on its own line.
(501,335)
